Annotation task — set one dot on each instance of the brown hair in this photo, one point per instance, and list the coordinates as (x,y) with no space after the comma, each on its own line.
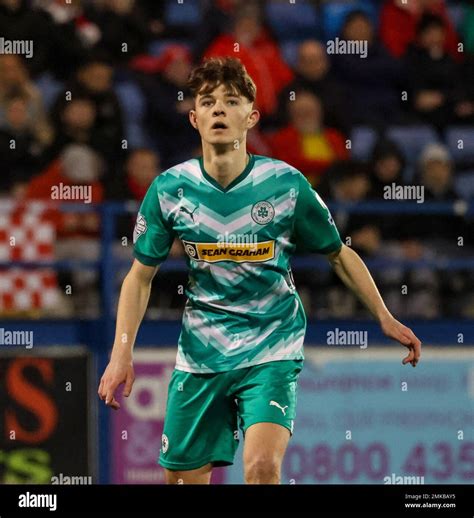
(216,71)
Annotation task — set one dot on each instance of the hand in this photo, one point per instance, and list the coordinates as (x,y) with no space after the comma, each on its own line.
(396,330)
(118,371)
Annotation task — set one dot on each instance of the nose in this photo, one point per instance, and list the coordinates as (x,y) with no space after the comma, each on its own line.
(218,109)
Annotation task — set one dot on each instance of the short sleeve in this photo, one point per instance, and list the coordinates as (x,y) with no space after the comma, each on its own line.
(153,236)
(314,228)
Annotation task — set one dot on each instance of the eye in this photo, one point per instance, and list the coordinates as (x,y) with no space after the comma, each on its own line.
(206,103)
(233,102)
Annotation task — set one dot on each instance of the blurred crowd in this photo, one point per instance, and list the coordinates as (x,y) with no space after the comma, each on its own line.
(103,102)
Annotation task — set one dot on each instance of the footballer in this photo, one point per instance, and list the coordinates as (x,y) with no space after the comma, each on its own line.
(240,218)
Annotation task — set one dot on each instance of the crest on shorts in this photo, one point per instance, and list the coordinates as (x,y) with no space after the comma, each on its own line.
(164,443)
(140,227)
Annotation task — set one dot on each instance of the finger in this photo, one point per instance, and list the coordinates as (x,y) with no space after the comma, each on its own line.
(109,396)
(409,358)
(128,385)
(100,390)
(114,404)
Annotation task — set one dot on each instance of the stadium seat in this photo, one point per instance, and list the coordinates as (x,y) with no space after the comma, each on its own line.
(464,185)
(456,14)
(334,13)
(412,139)
(49,88)
(182,13)
(292,21)
(133,106)
(456,136)
(363,140)
(156,47)
(289,50)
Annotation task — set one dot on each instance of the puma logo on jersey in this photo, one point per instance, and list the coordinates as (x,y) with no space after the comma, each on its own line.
(185,209)
(282,408)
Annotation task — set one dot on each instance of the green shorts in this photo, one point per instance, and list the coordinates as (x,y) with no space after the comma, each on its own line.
(204,411)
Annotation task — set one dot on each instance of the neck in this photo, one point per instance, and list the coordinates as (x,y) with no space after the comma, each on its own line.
(225,164)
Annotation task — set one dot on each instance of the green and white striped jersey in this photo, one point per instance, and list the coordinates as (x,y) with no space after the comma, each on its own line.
(242,307)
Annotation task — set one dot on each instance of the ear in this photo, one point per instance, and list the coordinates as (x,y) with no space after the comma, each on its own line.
(253,118)
(193,119)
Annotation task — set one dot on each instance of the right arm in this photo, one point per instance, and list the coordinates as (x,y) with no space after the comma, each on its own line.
(132,305)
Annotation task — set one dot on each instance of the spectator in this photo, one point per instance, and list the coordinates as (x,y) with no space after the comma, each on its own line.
(305,142)
(313,73)
(432,73)
(20,150)
(93,81)
(251,43)
(14,81)
(374,78)
(78,165)
(74,122)
(70,34)
(123,29)
(399,20)
(169,102)
(141,168)
(19,22)
(387,164)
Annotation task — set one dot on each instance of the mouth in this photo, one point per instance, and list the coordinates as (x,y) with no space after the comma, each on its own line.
(218,126)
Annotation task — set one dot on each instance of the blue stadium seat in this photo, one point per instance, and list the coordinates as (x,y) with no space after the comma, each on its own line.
(292,21)
(289,50)
(49,88)
(156,47)
(133,104)
(188,12)
(335,12)
(456,136)
(363,140)
(464,185)
(412,139)
(456,14)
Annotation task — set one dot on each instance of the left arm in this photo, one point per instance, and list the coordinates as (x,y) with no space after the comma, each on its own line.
(354,274)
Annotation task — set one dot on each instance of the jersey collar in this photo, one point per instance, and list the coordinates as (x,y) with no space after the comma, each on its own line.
(235,181)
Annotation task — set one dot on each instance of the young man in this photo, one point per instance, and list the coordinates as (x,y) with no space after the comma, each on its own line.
(240,217)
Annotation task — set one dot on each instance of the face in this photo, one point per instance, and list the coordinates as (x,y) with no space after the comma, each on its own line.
(359,28)
(305,113)
(437,174)
(353,189)
(97,77)
(177,72)
(433,38)
(223,117)
(142,166)
(387,169)
(12,70)
(17,114)
(79,114)
(313,62)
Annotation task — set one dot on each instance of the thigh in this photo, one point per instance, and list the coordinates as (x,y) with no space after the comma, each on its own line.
(267,394)
(200,422)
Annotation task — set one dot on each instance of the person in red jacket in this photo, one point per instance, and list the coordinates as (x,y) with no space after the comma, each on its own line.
(251,43)
(399,19)
(72,178)
(305,142)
